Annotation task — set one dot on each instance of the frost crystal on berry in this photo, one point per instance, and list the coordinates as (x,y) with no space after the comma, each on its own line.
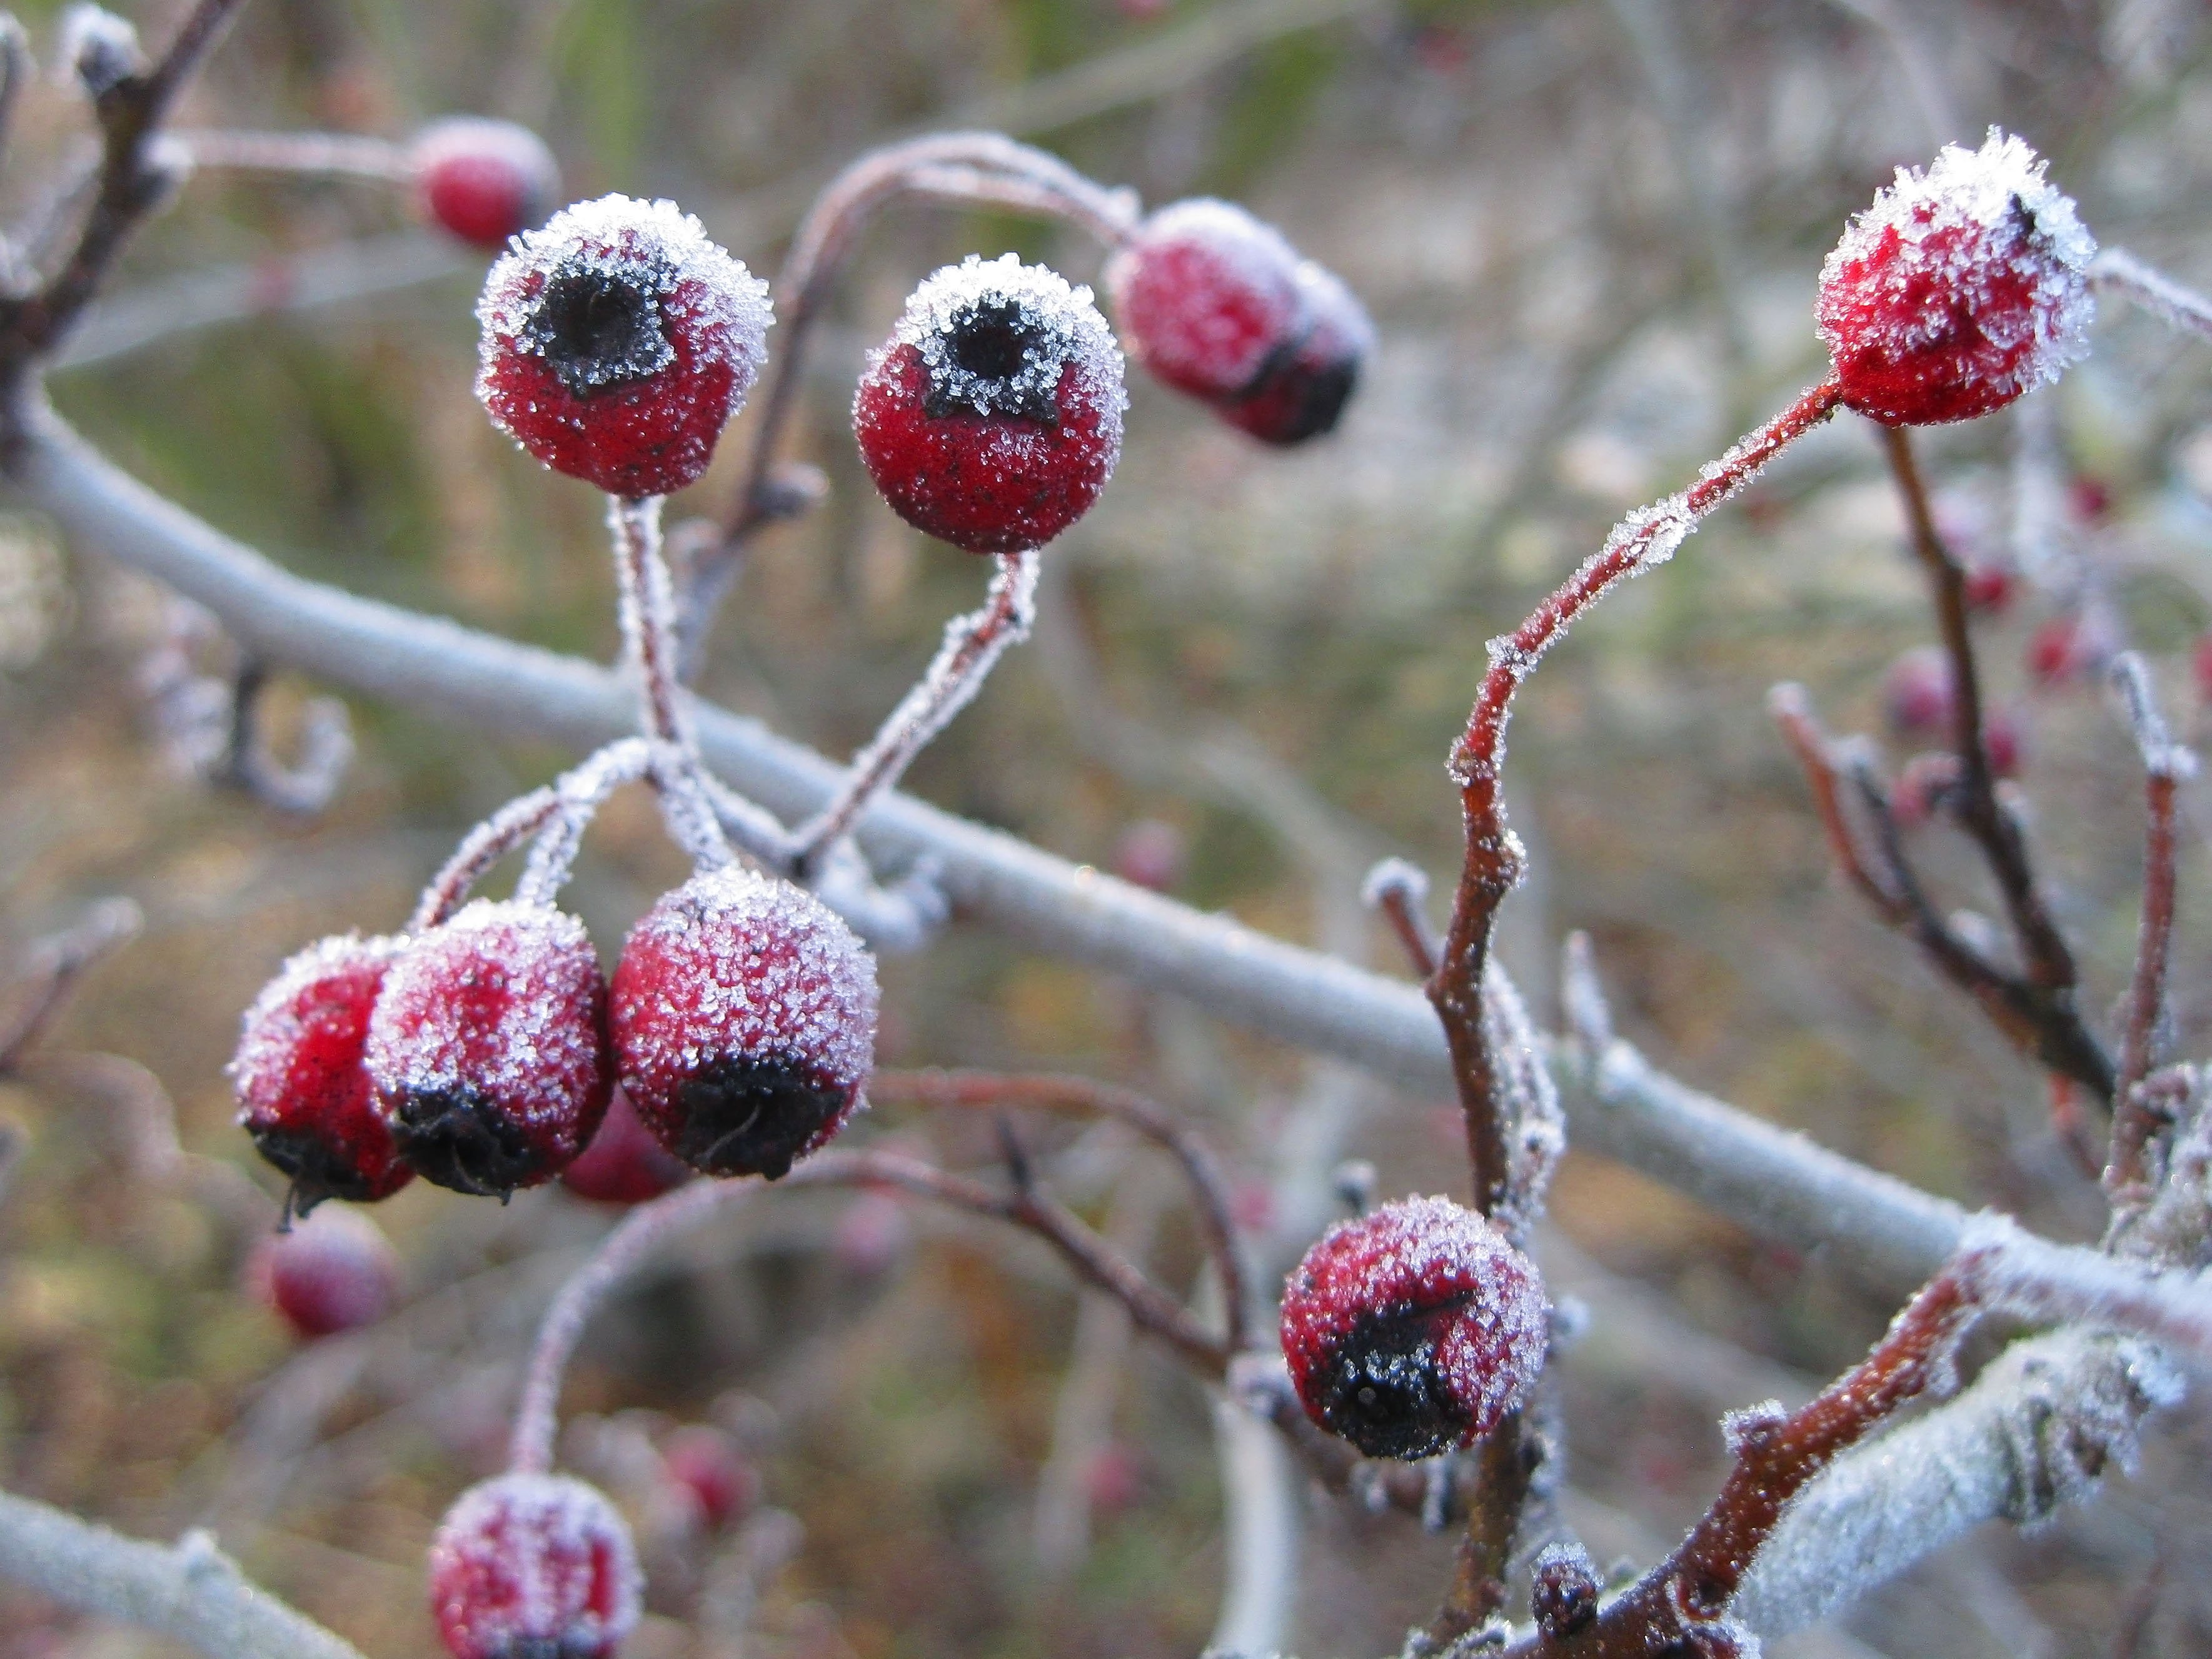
(744,1018)
(337,1272)
(1301,392)
(303,1094)
(617,342)
(1959,289)
(533,1567)
(488,1048)
(1208,295)
(992,417)
(483,180)
(1413,1329)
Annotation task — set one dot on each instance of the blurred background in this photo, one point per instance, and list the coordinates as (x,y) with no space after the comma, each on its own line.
(1589,232)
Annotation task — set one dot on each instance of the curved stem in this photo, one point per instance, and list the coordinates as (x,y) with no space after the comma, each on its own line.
(322,155)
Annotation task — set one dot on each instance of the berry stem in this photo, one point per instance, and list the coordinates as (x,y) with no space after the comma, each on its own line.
(324,155)
(1646,538)
(481,848)
(2116,271)
(2058,1038)
(986,168)
(578,794)
(973,645)
(648,604)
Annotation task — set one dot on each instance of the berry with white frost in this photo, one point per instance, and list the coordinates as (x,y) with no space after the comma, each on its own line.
(1413,1329)
(992,419)
(483,180)
(617,342)
(303,1094)
(488,1048)
(744,1018)
(533,1567)
(1959,289)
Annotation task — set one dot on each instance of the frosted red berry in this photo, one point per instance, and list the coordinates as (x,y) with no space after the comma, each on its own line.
(1301,392)
(744,1017)
(1959,289)
(533,1567)
(1207,297)
(992,419)
(623,1163)
(483,180)
(489,1049)
(617,342)
(337,1272)
(1917,695)
(303,1094)
(1413,1329)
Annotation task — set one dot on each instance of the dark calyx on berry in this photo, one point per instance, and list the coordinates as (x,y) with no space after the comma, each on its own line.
(997,358)
(1382,1393)
(600,327)
(754,1114)
(1297,399)
(460,1140)
(318,1169)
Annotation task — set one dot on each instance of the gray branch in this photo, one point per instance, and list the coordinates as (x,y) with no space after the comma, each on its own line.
(190,1590)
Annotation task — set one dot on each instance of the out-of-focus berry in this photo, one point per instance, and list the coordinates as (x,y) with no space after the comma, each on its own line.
(1990,586)
(2067,649)
(334,1272)
(1917,695)
(617,342)
(1959,289)
(744,1018)
(992,417)
(623,1163)
(533,1567)
(1413,1329)
(1304,394)
(706,1465)
(303,1094)
(488,1048)
(483,180)
(1151,854)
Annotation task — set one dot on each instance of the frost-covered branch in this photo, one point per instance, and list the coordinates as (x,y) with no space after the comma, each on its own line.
(2116,271)
(190,1590)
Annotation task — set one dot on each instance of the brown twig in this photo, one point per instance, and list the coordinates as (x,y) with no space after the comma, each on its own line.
(133,183)
(1055,1093)
(2165,763)
(2058,1037)
(1684,1599)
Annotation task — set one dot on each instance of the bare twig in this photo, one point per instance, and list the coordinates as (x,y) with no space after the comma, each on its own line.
(2062,1041)
(2116,271)
(327,155)
(1400,891)
(53,967)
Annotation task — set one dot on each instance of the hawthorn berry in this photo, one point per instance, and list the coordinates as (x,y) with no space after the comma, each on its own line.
(617,342)
(1988,586)
(303,1094)
(1917,693)
(483,180)
(1218,304)
(336,1271)
(2066,649)
(533,1567)
(1959,289)
(992,417)
(489,1049)
(744,1018)
(706,1466)
(623,1163)
(1413,1329)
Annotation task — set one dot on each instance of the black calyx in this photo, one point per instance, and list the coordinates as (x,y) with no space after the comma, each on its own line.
(1300,389)
(460,1139)
(995,357)
(753,1113)
(598,325)
(1384,1394)
(318,1169)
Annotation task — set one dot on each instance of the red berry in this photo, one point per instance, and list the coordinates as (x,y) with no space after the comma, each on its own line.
(1208,297)
(2066,648)
(302,1092)
(705,1464)
(483,180)
(533,1567)
(2001,742)
(488,1048)
(1917,693)
(337,1272)
(1959,289)
(1302,393)
(623,1163)
(992,417)
(617,342)
(1989,587)
(1562,1594)
(743,1017)
(1413,1329)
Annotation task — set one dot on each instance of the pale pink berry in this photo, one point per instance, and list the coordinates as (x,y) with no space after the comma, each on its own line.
(1959,289)
(489,1049)
(533,1567)
(1413,1329)
(744,1018)
(1916,694)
